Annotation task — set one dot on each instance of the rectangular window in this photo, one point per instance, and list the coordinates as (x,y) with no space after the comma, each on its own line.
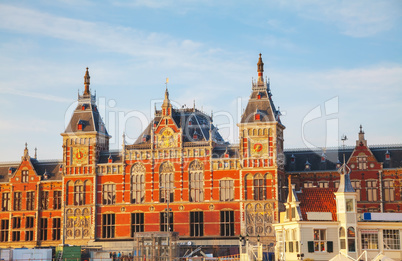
(369,239)
(308,184)
(371,186)
(108,225)
(362,162)
(5,202)
(44,200)
(109,194)
(79,195)
(391,239)
(196,224)
(4,230)
(227,223)
(24,176)
(138,188)
(57,199)
(356,186)
(56,228)
(323,184)
(17,201)
(29,225)
(164,221)
(389,190)
(16,226)
(30,200)
(227,190)
(43,229)
(137,223)
(320,240)
(258,189)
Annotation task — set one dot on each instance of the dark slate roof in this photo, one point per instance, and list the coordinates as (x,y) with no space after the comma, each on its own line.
(51,167)
(114,155)
(333,154)
(264,106)
(191,121)
(317,200)
(88,115)
(220,152)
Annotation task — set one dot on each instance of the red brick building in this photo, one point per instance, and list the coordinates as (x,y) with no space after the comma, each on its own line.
(216,191)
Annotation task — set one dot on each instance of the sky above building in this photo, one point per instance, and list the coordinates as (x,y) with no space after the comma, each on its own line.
(332,66)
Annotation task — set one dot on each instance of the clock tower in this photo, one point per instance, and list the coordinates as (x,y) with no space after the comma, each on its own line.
(84,138)
(261,154)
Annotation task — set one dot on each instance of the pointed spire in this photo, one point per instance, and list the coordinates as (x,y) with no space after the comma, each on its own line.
(26,154)
(87,82)
(260,70)
(36,154)
(361,140)
(166,106)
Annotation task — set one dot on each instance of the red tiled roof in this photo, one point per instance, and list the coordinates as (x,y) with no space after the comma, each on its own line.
(317,200)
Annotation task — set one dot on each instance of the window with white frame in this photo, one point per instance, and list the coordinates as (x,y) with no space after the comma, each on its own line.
(323,184)
(362,162)
(227,190)
(308,184)
(371,187)
(389,190)
(109,194)
(320,240)
(351,239)
(391,239)
(356,186)
(342,238)
(137,183)
(369,239)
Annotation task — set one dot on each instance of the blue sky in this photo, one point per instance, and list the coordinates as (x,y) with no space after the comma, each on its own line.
(333,65)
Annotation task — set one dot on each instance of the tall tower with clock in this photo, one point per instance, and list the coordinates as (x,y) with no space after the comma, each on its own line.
(84,138)
(261,151)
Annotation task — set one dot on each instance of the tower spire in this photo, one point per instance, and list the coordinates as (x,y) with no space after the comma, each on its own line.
(86,82)
(260,70)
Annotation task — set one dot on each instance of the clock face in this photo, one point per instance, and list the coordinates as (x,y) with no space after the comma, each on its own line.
(258,147)
(167,138)
(80,156)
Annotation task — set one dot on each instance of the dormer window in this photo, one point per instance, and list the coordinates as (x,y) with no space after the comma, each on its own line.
(307,165)
(80,125)
(144,138)
(387,155)
(259,96)
(195,136)
(257,116)
(110,159)
(292,159)
(338,164)
(323,157)
(83,107)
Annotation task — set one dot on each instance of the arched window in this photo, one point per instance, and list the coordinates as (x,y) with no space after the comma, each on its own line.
(342,237)
(196,181)
(226,189)
(166,182)
(138,183)
(248,187)
(79,194)
(258,187)
(259,132)
(351,240)
(254,132)
(269,185)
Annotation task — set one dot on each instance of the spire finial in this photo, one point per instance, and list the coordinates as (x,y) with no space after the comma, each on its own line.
(87,82)
(36,150)
(361,129)
(260,69)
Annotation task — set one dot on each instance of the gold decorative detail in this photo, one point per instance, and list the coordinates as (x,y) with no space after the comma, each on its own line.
(137,168)
(151,208)
(196,165)
(80,155)
(167,138)
(123,209)
(258,146)
(211,207)
(166,167)
(181,208)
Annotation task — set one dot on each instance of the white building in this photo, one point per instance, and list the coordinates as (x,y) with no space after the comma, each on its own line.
(323,224)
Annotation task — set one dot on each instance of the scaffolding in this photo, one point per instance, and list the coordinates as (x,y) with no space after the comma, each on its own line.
(155,246)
